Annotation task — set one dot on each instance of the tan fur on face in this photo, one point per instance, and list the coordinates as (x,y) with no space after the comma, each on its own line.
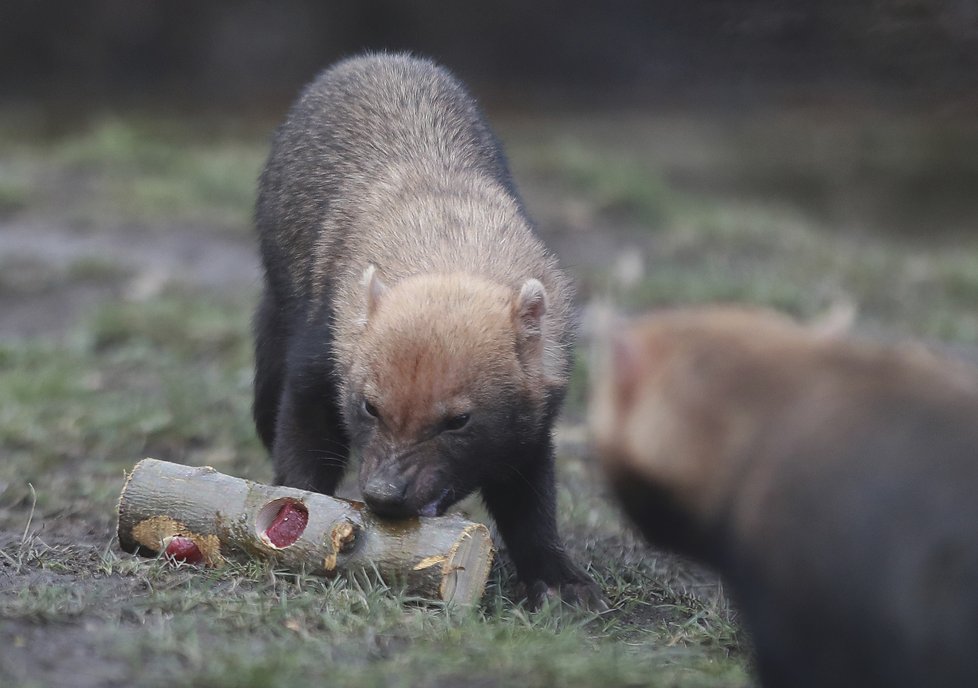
(443,224)
(433,344)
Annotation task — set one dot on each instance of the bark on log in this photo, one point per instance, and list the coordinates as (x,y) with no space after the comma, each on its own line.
(165,504)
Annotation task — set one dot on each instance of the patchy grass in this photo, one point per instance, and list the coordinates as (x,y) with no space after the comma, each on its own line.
(136,171)
(670,211)
(170,377)
(30,275)
(252,625)
(753,255)
(14,197)
(853,169)
(707,227)
(615,186)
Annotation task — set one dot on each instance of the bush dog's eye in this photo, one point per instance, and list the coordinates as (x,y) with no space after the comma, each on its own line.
(370,409)
(456,422)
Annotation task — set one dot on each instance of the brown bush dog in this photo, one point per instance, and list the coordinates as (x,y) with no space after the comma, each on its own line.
(410,315)
(833,483)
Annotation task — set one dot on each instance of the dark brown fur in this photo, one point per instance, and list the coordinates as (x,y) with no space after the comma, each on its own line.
(410,315)
(834,483)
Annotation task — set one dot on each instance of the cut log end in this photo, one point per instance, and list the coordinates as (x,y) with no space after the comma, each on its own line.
(466,568)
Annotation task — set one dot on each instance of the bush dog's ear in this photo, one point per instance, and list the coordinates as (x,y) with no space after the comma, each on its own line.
(836,322)
(376,289)
(529,307)
(528,310)
(625,367)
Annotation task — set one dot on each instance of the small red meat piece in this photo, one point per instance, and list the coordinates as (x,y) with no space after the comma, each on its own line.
(180,548)
(288,525)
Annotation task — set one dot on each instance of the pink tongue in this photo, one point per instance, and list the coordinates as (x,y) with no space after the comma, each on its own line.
(288,525)
(433,507)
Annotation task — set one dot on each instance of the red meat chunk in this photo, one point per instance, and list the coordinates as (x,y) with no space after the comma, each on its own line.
(180,548)
(288,525)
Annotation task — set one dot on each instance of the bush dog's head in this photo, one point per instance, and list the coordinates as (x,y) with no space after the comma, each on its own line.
(683,393)
(448,377)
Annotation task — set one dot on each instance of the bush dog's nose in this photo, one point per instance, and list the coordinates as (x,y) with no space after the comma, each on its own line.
(385,497)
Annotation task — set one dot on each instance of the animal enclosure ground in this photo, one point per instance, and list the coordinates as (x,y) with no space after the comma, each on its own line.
(127,277)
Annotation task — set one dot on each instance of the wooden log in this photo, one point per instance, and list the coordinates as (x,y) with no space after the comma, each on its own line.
(200,514)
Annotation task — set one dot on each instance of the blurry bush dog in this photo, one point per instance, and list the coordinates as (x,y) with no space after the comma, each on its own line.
(833,483)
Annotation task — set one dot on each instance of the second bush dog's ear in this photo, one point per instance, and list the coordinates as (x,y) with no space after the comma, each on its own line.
(376,289)
(836,322)
(625,367)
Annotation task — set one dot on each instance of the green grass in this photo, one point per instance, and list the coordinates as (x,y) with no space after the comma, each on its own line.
(170,376)
(753,255)
(252,625)
(615,186)
(849,169)
(704,249)
(136,171)
(26,275)
(14,196)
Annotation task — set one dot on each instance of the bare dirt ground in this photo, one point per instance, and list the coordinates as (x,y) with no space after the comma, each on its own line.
(43,298)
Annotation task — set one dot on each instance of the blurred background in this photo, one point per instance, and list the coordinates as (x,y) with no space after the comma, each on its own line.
(627,123)
(628,51)
(787,154)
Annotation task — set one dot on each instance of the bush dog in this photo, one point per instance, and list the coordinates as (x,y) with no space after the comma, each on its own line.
(410,315)
(833,483)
